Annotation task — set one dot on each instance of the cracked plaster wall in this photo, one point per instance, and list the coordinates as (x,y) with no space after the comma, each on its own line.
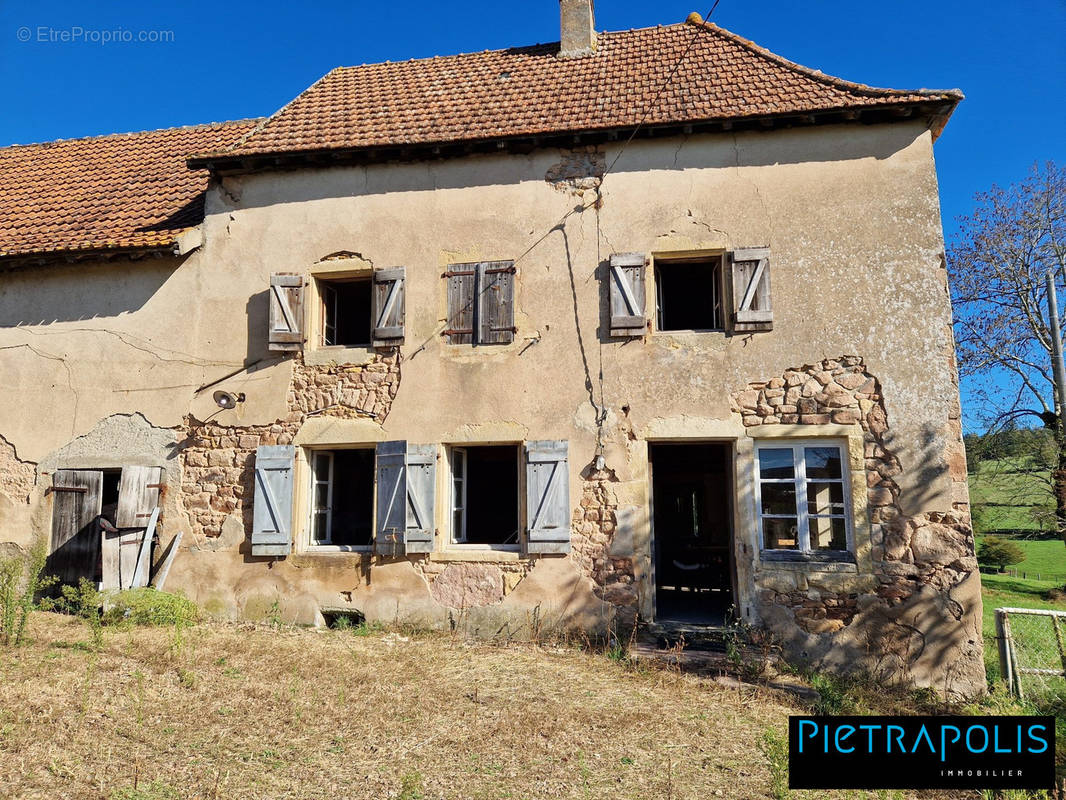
(851,215)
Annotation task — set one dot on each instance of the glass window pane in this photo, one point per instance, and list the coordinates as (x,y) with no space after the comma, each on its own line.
(780,534)
(321,495)
(322,467)
(457,463)
(320,528)
(776,462)
(828,533)
(822,462)
(457,525)
(457,494)
(825,498)
(779,498)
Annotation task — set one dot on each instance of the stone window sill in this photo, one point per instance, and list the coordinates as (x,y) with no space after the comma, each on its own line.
(322,356)
(476,555)
(843,567)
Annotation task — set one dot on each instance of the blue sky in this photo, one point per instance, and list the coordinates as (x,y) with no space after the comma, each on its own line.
(242,59)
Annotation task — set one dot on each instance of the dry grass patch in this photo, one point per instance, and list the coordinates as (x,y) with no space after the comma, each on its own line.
(230,711)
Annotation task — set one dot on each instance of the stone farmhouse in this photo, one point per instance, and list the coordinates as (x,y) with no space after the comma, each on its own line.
(648,326)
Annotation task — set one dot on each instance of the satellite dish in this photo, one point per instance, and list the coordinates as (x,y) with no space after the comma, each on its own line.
(227,400)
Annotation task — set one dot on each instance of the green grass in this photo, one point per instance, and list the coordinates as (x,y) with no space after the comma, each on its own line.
(1003,591)
(1005,493)
(1043,557)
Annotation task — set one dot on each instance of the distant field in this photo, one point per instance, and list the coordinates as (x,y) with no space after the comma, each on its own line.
(1045,558)
(1005,494)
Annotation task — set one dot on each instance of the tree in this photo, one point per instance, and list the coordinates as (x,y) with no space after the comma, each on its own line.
(998,266)
(999,553)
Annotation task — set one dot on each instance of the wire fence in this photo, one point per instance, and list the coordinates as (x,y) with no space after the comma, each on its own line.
(1032,651)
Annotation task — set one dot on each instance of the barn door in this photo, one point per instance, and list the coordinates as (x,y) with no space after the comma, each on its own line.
(77,497)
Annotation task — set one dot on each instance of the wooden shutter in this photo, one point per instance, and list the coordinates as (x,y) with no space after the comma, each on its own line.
(391,523)
(421,494)
(495,302)
(77,497)
(388,306)
(286,312)
(547,497)
(751,290)
(627,295)
(138,496)
(462,283)
(272,510)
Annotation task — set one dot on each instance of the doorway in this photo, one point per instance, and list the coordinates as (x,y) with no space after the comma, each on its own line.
(692,531)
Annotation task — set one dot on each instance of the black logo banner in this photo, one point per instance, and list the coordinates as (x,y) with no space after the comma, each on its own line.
(921,752)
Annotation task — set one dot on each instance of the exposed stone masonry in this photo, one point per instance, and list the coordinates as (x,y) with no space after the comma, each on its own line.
(934,549)
(17,477)
(218,460)
(593,528)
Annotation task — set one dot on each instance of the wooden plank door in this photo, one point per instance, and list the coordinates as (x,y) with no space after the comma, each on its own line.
(77,501)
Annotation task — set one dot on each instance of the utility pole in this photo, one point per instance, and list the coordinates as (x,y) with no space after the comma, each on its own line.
(1059,474)
(1056,348)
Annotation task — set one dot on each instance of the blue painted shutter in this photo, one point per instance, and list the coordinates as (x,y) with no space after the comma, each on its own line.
(272,510)
(547,497)
(406,478)
(421,495)
(391,523)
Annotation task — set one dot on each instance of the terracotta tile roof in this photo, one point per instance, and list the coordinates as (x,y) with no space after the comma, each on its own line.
(118,192)
(529,91)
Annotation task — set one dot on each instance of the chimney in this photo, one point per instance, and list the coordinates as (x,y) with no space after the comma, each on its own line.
(577,29)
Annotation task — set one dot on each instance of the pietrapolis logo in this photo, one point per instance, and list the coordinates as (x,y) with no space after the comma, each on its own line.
(921,752)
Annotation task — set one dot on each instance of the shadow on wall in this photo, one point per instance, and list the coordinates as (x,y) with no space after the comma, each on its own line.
(84,291)
(723,151)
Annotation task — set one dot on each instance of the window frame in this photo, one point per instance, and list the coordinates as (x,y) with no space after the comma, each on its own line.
(800,481)
(454,543)
(311,455)
(326,292)
(691,257)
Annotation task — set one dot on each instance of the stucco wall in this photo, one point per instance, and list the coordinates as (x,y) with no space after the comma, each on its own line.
(851,216)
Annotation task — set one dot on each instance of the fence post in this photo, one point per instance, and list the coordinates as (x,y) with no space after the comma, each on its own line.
(1005,670)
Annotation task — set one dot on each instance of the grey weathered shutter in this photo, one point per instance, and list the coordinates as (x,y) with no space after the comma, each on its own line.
(547,497)
(286,312)
(421,494)
(627,295)
(138,495)
(388,306)
(272,512)
(462,283)
(77,501)
(495,305)
(391,522)
(751,290)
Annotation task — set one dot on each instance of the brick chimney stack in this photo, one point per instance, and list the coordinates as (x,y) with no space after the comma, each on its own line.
(577,28)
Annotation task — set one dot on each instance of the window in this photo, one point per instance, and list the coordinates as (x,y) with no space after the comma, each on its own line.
(802,499)
(346,312)
(481,303)
(485,495)
(688,294)
(342,498)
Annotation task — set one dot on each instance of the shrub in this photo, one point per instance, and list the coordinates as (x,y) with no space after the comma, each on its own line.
(148,606)
(997,552)
(20,583)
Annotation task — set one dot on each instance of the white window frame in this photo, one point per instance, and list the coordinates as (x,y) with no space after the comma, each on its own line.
(666,260)
(458,542)
(803,516)
(458,536)
(325,291)
(312,456)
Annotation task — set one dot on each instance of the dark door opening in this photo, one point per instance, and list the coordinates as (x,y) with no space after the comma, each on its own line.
(691,496)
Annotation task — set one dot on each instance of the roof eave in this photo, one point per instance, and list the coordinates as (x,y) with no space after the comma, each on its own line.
(936,110)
